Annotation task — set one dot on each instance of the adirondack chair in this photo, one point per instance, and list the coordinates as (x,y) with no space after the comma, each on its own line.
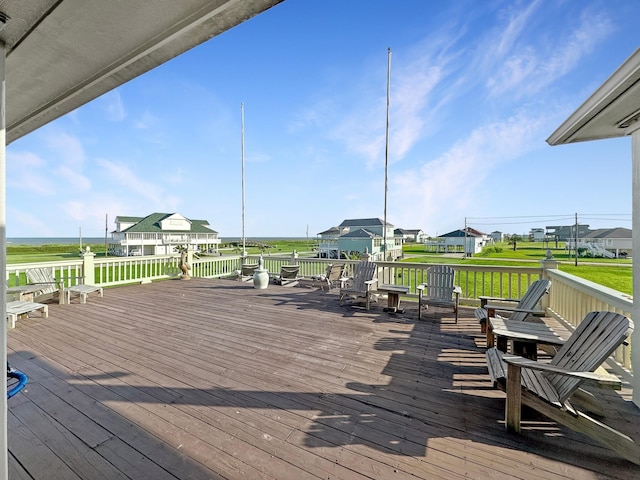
(247,271)
(523,307)
(52,288)
(439,290)
(332,276)
(547,387)
(289,276)
(362,284)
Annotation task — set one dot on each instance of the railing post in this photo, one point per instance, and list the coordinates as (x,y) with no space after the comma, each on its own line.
(88,267)
(294,258)
(548,263)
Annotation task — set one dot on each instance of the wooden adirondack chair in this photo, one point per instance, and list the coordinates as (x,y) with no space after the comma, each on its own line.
(522,308)
(52,288)
(547,387)
(247,271)
(332,277)
(362,284)
(439,290)
(289,276)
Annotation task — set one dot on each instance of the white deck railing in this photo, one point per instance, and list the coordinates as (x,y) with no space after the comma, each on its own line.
(571,298)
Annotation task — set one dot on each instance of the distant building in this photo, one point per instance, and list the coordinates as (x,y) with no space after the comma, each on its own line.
(537,234)
(616,240)
(497,236)
(360,234)
(566,232)
(160,234)
(407,235)
(467,241)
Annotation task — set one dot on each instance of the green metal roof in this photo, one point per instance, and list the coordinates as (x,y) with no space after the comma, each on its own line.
(151,224)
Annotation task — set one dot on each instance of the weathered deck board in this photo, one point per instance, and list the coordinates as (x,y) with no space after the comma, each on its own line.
(214,379)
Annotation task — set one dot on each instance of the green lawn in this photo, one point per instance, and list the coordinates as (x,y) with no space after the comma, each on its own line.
(613,273)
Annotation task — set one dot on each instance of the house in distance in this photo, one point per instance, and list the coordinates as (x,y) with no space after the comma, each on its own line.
(160,234)
(354,236)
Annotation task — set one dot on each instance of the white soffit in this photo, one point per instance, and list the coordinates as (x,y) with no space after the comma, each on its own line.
(62,54)
(604,113)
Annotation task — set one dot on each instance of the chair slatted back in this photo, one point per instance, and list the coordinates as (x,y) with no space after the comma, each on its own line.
(42,276)
(531,298)
(249,269)
(597,337)
(362,273)
(289,272)
(440,283)
(335,272)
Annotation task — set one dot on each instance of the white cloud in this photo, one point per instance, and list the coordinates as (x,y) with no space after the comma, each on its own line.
(28,172)
(76,181)
(517,66)
(113,106)
(20,221)
(124,176)
(442,190)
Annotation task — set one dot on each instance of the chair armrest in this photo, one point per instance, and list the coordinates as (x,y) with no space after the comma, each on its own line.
(370,283)
(499,299)
(592,377)
(513,309)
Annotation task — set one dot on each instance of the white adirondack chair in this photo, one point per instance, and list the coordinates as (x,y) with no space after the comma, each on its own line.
(362,284)
(439,290)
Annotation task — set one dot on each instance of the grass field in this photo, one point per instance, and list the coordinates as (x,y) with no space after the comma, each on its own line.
(612,273)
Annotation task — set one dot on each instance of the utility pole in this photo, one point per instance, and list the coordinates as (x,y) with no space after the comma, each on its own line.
(576,240)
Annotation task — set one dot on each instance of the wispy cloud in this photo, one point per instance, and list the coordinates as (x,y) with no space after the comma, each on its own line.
(22,221)
(125,177)
(442,190)
(113,106)
(521,65)
(27,171)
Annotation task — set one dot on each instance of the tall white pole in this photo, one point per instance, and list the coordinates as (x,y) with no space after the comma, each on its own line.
(244,250)
(386,155)
(4,461)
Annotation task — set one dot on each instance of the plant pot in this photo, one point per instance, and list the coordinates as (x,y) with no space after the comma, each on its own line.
(261,279)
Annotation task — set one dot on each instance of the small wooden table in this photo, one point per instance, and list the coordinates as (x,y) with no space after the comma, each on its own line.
(393,297)
(525,336)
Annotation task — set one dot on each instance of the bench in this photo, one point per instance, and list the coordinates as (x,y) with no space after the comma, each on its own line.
(82,291)
(19,308)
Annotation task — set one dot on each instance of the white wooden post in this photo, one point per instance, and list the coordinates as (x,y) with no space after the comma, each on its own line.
(4,466)
(635,336)
(88,267)
(294,258)
(548,263)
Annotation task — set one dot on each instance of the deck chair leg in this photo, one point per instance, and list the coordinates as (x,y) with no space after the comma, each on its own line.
(513,404)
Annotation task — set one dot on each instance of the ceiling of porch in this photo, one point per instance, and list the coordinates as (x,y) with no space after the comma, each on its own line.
(613,110)
(61,54)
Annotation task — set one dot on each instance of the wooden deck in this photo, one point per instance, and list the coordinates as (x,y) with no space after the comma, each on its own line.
(214,379)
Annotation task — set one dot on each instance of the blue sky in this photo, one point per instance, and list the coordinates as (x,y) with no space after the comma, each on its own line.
(476,88)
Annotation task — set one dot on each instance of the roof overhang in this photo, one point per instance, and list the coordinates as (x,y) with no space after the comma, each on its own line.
(613,110)
(61,54)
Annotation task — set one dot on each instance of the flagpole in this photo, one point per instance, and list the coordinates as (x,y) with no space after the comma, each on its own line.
(386,154)
(244,250)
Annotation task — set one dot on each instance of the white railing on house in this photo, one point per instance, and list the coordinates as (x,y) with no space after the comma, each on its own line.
(569,301)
